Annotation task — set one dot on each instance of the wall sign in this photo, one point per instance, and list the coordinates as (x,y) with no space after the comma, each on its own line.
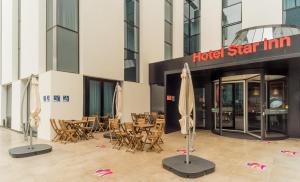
(238,50)
(56,98)
(170,98)
(66,98)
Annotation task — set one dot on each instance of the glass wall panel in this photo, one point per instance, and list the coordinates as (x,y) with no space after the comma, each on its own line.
(192,9)
(168,28)
(67,14)
(67,50)
(229,33)
(50,55)
(232,14)
(231,20)
(95,98)
(230,2)
(62,35)
(291,12)
(108,92)
(131,51)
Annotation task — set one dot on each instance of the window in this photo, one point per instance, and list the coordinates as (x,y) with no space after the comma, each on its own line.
(231,20)
(168,29)
(99,96)
(62,35)
(191,26)
(291,12)
(131,48)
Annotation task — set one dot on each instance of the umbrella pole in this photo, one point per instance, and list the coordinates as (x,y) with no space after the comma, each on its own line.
(31,147)
(187,122)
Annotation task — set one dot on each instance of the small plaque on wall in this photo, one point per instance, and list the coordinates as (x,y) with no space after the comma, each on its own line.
(56,98)
(66,98)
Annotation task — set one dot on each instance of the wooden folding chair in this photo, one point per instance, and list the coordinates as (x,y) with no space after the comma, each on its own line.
(116,131)
(58,131)
(88,128)
(135,139)
(101,123)
(69,134)
(159,127)
(134,117)
(156,136)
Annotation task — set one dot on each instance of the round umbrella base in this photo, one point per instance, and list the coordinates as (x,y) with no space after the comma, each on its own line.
(26,151)
(198,167)
(107,135)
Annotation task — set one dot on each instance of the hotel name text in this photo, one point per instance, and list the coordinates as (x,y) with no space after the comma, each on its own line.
(239,50)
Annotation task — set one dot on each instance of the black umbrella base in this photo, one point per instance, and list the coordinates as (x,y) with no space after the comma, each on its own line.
(26,151)
(107,135)
(198,167)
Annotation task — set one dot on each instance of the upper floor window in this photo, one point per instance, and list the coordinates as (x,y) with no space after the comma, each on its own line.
(192,13)
(131,48)
(62,35)
(168,28)
(231,20)
(291,12)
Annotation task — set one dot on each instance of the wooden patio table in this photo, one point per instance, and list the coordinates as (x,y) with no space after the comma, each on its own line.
(144,127)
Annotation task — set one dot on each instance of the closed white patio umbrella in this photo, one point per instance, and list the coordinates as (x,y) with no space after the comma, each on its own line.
(186,106)
(35,104)
(118,91)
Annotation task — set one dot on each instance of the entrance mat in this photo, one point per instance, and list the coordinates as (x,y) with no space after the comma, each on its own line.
(103,172)
(289,153)
(198,166)
(255,165)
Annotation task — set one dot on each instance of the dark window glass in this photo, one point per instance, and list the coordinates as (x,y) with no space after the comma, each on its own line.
(232,14)
(231,20)
(168,12)
(229,33)
(291,12)
(62,35)
(168,29)
(195,26)
(131,71)
(168,33)
(67,14)
(168,51)
(192,13)
(67,50)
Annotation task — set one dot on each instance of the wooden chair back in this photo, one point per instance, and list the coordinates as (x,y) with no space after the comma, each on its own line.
(160,125)
(141,121)
(84,118)
(134,117)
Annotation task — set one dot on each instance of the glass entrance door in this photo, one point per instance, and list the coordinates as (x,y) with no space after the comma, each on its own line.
(232,106)
(254,106)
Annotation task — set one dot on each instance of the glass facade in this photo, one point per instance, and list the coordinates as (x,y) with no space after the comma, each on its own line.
(131,48)
(231,20)
(291,12)
(62,35)
(192,14)
(168,29)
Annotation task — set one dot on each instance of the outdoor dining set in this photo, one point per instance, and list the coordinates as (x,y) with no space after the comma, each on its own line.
(146,128)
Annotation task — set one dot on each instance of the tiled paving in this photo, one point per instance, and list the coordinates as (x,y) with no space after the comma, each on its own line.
(79,161)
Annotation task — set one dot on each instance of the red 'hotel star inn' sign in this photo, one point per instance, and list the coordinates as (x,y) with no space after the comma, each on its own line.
(237,50)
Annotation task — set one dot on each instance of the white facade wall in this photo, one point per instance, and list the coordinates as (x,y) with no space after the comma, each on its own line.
(58,83)
(211,25)
(101,50)
(261,12)
(32,58)
(9,41)
(101,33)
(178,30)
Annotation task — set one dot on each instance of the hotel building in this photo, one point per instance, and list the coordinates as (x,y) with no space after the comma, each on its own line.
(80,49)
